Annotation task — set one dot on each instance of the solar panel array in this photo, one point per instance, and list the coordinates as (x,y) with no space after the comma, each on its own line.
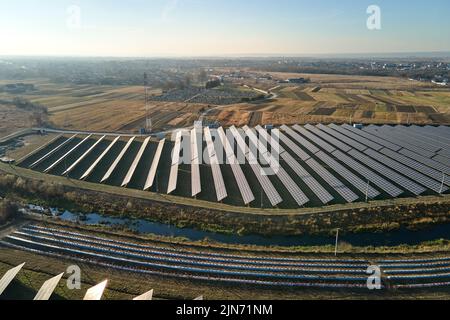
(270,191)
(196,147)
(173,176)
(219,183)
(155,163)
(329,163)
(117,160)
(298,195)
(241,180)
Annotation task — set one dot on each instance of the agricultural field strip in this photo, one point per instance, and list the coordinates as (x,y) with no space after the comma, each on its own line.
(298,195)
(355,137)
(367,173)
(64,156)
(48,154)
(191,276)
(334,182)
(80,250)
(135,163)
(133,253)
(155,163)
(202,255)
(219,183)
(266,184)
(337,143)
(387,172)
(244,187)
(401,142)
(32,153)
(433,173)
(173,176)
(371,137)
(406,171)
(354,144)
(83,156)
(358,183)
(9,276)
(309,180)
(196,143)
(329,178)
(97,161)
(117,160)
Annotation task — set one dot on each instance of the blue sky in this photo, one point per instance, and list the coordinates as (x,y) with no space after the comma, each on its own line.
(221,27)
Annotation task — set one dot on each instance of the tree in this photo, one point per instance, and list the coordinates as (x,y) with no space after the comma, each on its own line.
(8,210)
(202,76)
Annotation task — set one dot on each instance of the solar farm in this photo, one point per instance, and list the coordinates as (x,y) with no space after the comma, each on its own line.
(320,165)
(224,268)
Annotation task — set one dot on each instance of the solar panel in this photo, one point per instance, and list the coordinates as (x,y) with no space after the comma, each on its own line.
(394,139)
(9,277)
(420,167)
(356,137)
(67,154)
(48,154)
(324,145)
(371,137)
(308,145)
(387,172)
(135,163)
(148,296)
(423,137)
(372,177)
(94,165)
(334,182)
(116,162)
(442,159)
(219,183)
(358,183)
(173,177)
(343,138)
(294,147)
(323,195)
(432,135)
(83,156)
(39,149)
(410,138)
(244,187)
(290,185)
(429,162)
(196,147)
(152,173)
(328,138)
(272,194)
(96,293)
(406,171)
(46,291)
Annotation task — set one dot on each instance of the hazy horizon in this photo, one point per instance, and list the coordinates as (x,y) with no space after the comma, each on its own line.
(219,28)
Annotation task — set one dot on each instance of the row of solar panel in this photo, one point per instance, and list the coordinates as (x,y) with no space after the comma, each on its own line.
(383,157)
